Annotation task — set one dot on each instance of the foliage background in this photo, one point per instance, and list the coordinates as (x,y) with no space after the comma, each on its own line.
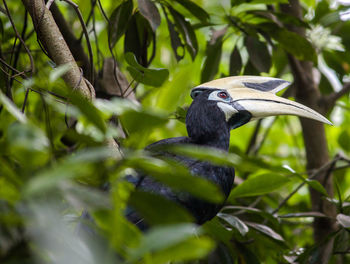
(54,161)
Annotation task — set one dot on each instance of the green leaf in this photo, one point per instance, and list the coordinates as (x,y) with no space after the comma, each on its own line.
(149,10)
(86,197)
(213,155)
(245,254)
(175,40)
(176,176)
(193,248)
(118,21)
(116,106)
(213,55)
(259,185)
(335,60)
(317,186)
(12,108)
(91,113)
(138,37)
(50,178)
(265,230)
(252,210)
(59,71)
(158,210)
(249,69)
(235,62)
(325,86)
(186,31)
(216,230)
(330,18)
(303,214)
(180,114)
(152,77)
(341,241)
(322,9)
(313,184)
(293,43)
(269,2)
(8,191)
(161,238)
(344,140)
(195,9)
(77,165)
(27,136)
(136,121)
(235,222)
(258,54)
(1,28)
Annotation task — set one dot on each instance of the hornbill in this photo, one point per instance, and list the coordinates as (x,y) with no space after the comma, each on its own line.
(219,106)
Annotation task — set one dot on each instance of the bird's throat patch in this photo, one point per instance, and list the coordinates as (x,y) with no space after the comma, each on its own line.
(239,119)
(228,110)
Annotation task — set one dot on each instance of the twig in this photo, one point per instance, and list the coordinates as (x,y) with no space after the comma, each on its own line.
(25,100)
(254,137)
(91,59)
(48,125)
(32,67)
(13,69)
(98,51)
(329,100)
(91,15)
(42,93)
(312,176)
(264,137)
(17,52)
(102,11)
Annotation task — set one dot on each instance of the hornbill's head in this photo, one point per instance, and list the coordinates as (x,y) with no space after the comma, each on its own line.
(234,101)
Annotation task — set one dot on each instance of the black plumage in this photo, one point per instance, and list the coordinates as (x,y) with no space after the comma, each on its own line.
(206,126)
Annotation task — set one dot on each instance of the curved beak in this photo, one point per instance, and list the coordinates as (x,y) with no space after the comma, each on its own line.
(257,95)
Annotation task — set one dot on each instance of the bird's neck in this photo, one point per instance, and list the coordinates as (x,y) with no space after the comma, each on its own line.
(206,125)
(215,140)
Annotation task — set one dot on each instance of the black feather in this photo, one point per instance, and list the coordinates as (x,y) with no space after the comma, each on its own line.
(206,126)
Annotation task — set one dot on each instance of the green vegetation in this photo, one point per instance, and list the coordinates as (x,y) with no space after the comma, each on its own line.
(142,58)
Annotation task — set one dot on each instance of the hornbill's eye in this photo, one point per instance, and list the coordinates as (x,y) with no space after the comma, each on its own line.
(220,95)
(223,95)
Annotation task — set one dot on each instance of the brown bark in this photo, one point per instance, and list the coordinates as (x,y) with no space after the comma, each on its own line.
(73,43)
(105,85)
(315,140)
(52,40)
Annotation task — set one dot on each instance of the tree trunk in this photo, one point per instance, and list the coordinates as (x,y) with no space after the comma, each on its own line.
(315,141)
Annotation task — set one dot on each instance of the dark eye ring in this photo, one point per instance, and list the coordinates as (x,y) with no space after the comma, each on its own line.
(223,95)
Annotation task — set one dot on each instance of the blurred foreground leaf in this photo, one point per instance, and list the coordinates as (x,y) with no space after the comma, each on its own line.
(158,210)
(152,77)
(12,108)
(176,176)
(172,243)
(259,185)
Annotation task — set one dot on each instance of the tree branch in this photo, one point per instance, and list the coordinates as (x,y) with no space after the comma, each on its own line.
(328,101)
(50,36)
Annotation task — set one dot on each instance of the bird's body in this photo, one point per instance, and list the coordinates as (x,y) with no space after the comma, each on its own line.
(206,126)
(218,107)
